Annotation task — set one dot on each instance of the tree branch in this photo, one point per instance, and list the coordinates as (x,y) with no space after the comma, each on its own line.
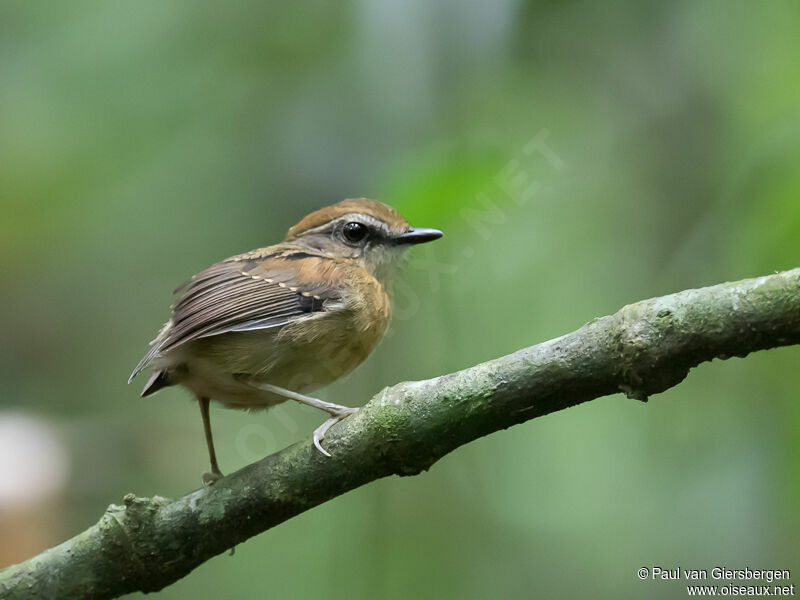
(644,349)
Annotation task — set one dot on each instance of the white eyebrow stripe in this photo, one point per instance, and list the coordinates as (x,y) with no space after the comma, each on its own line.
(362,218)
(359,217)
(318,229)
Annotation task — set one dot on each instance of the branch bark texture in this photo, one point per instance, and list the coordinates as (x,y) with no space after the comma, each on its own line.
(645,348)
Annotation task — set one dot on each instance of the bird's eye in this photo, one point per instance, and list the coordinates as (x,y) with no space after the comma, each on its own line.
(354,232)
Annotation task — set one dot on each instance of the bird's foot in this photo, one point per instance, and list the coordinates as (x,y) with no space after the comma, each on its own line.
(337,414)
(210,479)
(336,411)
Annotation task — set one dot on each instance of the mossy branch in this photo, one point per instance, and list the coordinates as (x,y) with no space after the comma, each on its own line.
(645,348)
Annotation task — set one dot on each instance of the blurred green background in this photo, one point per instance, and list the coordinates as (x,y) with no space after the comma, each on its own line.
(578,155)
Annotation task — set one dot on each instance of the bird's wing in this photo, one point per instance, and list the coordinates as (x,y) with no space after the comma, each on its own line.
(246,293)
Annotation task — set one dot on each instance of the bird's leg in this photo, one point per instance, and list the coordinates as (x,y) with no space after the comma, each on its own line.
(336,411)
(215,474)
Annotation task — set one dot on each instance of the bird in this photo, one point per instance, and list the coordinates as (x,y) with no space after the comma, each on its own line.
(275,323)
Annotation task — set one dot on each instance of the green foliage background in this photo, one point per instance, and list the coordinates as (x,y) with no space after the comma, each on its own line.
(142,141)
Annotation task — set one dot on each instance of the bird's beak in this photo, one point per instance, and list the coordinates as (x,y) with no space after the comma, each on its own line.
(418,235)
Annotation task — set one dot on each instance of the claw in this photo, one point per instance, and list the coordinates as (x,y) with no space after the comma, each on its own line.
(319,432)
(336,411)
(319,436)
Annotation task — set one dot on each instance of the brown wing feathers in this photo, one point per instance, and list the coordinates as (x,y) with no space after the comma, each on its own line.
(235,295)
(241,294)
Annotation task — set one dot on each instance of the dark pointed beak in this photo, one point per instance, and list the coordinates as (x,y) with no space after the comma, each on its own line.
(418,235)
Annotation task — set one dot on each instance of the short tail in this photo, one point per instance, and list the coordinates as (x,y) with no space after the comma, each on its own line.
(159,380)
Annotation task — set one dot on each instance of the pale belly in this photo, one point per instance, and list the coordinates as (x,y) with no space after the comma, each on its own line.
(302,356)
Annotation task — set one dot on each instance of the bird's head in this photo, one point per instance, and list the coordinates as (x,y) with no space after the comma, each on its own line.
(360,229)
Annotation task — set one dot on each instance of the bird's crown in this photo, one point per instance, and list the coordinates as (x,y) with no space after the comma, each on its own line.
(371,209)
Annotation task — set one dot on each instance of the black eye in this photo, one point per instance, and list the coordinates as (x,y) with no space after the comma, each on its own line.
(354,232)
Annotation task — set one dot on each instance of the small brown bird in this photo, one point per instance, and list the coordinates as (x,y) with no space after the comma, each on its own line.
(271,324)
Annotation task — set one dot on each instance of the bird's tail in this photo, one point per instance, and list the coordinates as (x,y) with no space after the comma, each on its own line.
(158,380)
